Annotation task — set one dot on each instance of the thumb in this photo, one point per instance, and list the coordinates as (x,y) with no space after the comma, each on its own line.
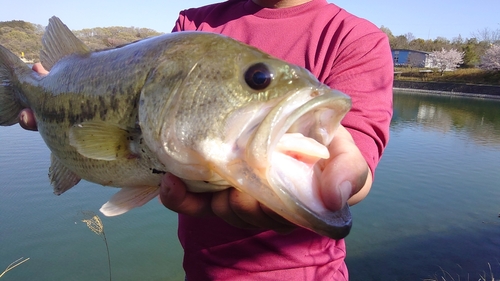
(27,120)
(175,196)
(345,172)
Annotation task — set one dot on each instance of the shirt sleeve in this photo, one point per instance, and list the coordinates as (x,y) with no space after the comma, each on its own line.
(363,69)
(179,23)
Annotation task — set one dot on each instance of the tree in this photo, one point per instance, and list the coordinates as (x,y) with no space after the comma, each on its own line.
(471,59)
(21,37)
(399,42)
(25,38)
(446,60)
(417,44)
(387,32)
(457,41)
(415,60)
(487,35)
(441,43)
(409,36)
(491,59)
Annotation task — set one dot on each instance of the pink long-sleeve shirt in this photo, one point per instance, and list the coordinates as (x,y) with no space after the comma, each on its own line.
(343,51)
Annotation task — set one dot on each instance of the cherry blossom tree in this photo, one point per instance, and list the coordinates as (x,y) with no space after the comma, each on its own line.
(446,59)
(491,58)
(416,59)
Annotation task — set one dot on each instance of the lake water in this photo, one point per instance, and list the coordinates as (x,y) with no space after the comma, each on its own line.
(433,210)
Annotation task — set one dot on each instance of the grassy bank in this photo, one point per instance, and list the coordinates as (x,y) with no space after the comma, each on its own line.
(466,75)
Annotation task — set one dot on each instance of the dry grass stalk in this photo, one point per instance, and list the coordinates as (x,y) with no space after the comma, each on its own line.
(95,224)
(13,265)
(446,276)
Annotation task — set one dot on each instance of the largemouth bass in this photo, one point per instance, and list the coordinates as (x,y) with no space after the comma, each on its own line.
(212,111)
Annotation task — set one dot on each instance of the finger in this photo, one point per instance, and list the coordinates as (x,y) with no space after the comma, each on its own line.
(242,210)
(284,226)
(174,195)
(38,67)
(27,120)
(221,207)
(251,211)
(344,174)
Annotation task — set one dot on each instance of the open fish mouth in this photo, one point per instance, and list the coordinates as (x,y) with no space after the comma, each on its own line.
(295,136)
(308,117)
(283,158)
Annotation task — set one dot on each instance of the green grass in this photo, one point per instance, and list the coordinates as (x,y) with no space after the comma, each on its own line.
(465,75)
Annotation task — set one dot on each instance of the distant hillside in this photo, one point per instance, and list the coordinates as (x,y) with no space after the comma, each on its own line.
(24,37)
(21,36)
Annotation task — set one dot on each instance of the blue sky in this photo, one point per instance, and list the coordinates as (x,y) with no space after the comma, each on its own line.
(426,19)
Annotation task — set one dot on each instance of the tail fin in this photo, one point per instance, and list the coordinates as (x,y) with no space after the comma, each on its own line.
(10,96)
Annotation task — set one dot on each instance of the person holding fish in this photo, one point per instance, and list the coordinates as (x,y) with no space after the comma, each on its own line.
(348,54)
(229,235)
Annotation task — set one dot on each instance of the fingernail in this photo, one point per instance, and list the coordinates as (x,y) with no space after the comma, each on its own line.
(345,191)
(23,118)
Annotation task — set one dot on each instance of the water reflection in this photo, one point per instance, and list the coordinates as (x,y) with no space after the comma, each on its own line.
(479,119)
(434,203)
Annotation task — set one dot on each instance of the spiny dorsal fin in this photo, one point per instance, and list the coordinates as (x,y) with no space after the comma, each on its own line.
(61,177)
(57,42)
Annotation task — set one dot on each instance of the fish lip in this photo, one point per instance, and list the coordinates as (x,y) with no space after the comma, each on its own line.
(336,225)
(287,113)
(280,120)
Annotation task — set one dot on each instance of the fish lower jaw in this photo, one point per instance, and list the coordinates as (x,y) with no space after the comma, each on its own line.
(294,170)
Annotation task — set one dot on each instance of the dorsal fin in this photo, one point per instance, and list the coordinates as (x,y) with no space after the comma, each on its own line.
(57,42)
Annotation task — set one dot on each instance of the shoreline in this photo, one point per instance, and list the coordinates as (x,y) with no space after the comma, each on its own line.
(447,93)
(449,89)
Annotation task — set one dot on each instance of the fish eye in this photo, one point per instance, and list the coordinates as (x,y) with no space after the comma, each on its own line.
(258,76)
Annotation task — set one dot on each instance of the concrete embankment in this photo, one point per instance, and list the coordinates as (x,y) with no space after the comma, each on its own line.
(473,90)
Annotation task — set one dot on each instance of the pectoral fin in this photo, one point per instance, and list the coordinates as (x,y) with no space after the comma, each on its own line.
(129,198)
(101,141)
(61,177)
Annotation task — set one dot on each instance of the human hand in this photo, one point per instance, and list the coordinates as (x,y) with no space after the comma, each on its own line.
(27,120)
(38,67)
(26,117)
(236,208)
(345,174)
(346,177)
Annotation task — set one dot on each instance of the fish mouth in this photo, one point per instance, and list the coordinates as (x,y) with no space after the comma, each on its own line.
(288,148)
(258,159)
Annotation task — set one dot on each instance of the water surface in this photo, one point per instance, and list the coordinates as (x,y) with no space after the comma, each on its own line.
(46,228)
(434,205)
(436,198)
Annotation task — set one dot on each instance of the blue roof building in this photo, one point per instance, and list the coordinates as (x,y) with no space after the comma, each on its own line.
(404,57)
